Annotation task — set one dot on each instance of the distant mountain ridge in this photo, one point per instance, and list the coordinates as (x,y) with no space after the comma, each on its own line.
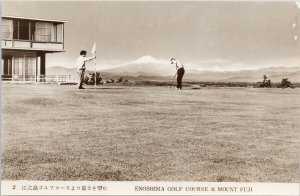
(149,67)
(238,76)
(275,74)
(59,70)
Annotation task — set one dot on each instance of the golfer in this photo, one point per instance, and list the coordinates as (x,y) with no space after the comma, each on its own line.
(179,72)
(81,66)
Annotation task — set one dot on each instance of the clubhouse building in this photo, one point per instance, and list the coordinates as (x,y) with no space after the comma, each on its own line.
(25,43)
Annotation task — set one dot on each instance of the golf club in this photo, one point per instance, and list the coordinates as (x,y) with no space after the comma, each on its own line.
(173,80)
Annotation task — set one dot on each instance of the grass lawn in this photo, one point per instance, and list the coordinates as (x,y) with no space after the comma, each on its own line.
(52,132)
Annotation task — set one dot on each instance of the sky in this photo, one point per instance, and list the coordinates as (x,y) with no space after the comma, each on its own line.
(220,35)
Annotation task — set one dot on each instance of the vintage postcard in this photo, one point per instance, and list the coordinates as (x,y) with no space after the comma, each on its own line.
(150,98)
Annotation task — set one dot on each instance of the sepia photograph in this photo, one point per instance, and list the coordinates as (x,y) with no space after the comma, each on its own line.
(150,91)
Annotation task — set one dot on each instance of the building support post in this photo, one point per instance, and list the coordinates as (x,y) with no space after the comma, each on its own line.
(24,68)
(36,68)
(43,66)
(13,67)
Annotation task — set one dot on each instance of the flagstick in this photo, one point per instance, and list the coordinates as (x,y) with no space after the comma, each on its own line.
(95,71)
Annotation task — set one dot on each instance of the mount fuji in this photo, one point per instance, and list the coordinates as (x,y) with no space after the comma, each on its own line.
(146,65)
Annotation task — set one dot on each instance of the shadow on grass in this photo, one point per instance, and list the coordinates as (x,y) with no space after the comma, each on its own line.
(106,88)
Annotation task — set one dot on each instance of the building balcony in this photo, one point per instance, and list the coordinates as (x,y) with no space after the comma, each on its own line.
(32,45)
(20,33)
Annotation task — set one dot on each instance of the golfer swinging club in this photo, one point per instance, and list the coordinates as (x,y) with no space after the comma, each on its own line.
(81,66)
(179,72)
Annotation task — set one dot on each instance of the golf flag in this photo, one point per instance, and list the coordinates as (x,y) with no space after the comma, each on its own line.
(294,25)
(298,4)
(296,37)
(94,49)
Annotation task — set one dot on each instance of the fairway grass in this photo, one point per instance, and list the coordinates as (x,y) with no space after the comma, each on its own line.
(52,132)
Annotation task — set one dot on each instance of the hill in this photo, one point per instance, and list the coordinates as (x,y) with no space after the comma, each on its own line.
(150,68)
(147,65)
(58,70)
(274,73)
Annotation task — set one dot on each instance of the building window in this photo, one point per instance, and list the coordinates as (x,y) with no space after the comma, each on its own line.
(18,66)
(25,67)
(16,29)
(32,30)
(44,32)
(30,65)
(24,30)
(21,30)
(7,29)
(58,32)
(7,66)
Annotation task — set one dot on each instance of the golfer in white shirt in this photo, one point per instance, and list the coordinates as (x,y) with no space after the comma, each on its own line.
(80,63)
(180,72)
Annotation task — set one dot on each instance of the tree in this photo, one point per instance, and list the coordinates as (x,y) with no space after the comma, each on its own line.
(285,83)
(98,78)
(265,79)
(120,79)
(265,83)
(86,79)
(92,79)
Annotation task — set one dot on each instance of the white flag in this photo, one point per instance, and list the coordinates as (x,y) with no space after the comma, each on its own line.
(94,49)
(296,37)
(298,4)
(294,25)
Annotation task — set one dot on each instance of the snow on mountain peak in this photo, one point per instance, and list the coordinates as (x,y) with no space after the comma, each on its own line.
(146,59)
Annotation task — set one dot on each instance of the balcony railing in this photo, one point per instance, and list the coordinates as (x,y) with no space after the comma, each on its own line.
(31,44)
(51,79)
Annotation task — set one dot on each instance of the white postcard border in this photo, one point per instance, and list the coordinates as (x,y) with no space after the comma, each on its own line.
(9,188)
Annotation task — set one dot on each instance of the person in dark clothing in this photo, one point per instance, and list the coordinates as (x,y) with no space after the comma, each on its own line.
(179,71)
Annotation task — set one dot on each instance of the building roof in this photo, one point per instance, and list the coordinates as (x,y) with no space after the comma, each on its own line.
(36,19)
(32,49)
